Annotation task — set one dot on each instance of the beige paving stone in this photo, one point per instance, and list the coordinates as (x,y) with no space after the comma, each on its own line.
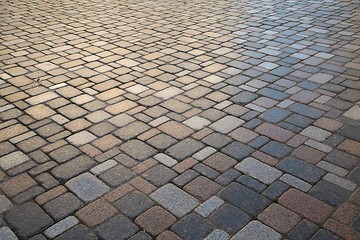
(40,111)
(41,98)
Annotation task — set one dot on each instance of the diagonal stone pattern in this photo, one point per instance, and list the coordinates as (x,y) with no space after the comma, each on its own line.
(234,119)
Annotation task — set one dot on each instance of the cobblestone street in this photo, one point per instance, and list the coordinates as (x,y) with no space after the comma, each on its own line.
(189,119)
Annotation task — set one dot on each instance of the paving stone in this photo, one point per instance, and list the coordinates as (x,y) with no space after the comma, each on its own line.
(202,188)
(342,182)
(132,130)
(80,232)
(229,218)
(353,113)
(274,132)
(197,122)
(258,170)
(185,177)
(27,219)
(12,160)
(117,227)
(176,130)
(329,193)
(175,200)
(134,204)
(7,234)
(209,206)
(227,124)
(275,115)
(168,235)
(63,206)
(103,167)
(192,227)
(244,97)
(159,175)
(303,230)
(155,220)
(308,154)
(244,198)
(295,182)
(301,169)
(279,218)
(87,187)
(306,110)
(65,153)
(17,184)
(251,183)
(165,159)
(96,213)
(138,150)
(217,140)
(276,149)
(256,230)
(204,153)
(306,205)
(220,162)
(351,132)
(141,236)
(323,234)
(316,133)
(60,227)
(117,175)
(184,149)
(206,171)
(218,235)
(275,190)
(237,150)
(161,141)
(72,168)
(81,138)
(5,204)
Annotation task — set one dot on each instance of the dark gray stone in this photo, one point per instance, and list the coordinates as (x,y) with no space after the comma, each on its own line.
(117,175)
(63,206)
(184,149)
(329,193)
(79,232)
(192,227)
(237,150)
(159,175)
(118,227)
(303,230)
(134,204)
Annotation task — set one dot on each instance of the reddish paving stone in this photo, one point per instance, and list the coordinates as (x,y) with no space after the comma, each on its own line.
(279,218)
(168,235)
(17,184)
(96,213)
(106,142)
(118,192)
(144,166)
(202,188)
(297,141)
(346,212)
(355,197)
(342,230)
(220,162)
(328,124)
(142,185)
(50,195)
(265,158)
(176,130)
(306,205)
(274,132)
(155,220)
(351,147)
(185,165)
(309,154)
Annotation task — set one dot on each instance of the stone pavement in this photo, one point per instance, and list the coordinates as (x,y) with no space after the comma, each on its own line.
(192,119)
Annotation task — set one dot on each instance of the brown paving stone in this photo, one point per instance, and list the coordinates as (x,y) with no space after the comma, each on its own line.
(274,132)
(341,230)
(118,192)
(17,184)
(220,162)
(120,107)
(142,185)
(309,154)
(202,188)
(144,166)
(351,147)
(50,195)
(265,158)
(355,197)
(185,165)
(328,124)
(96,213)
(12,131)
(106,142)
(346,212)
(279,218)
(176,130)
(306,205)
(168,235)
(155,220)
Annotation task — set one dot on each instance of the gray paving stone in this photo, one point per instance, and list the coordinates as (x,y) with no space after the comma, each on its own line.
(184,149)
(306,110)
(244,198)
(117,175)
(192,227)
(342,182)
(209,206)
(103,167)
(185,177)
(237,150)
(7,234)
(197,122)
(27,219)
(175,200)
(301,169)
(275,190)
(315,133)
(87,187)
(227,124)
(79,232)
(323,234)
(303,230)
(138,150)
(258,170)
(218,235)
(72,168)
(251,183)
(60,227)
(342,159)
(12,160)
(217,140)
(329,193)
(295,182)
(63,206)
(276,149)
(118,227)
(165,159)
(255,230)
(159,175)
(204,153)
(134,204)
(5,204)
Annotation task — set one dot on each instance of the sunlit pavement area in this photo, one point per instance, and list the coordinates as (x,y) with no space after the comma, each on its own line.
(191,119)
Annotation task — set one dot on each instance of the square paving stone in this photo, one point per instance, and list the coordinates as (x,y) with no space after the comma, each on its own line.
(229,218)
(155,220)
(237,150)
(176,130)
(279,218)
(63,206)
(217,140)
(184,149)
(117,175)
(175,200)
(220,162)
(27,219)
(96,213)
(159,175)
(118,227)
(134,204)
(72,168)
(276,149)
(255,230)
(87,187)
(329,193)
(161,141)
(258,170)
(275,115)
(192,227)
(202,188)
(138,150)
(79,232)
(227,124)
(301,169)
(244,198)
